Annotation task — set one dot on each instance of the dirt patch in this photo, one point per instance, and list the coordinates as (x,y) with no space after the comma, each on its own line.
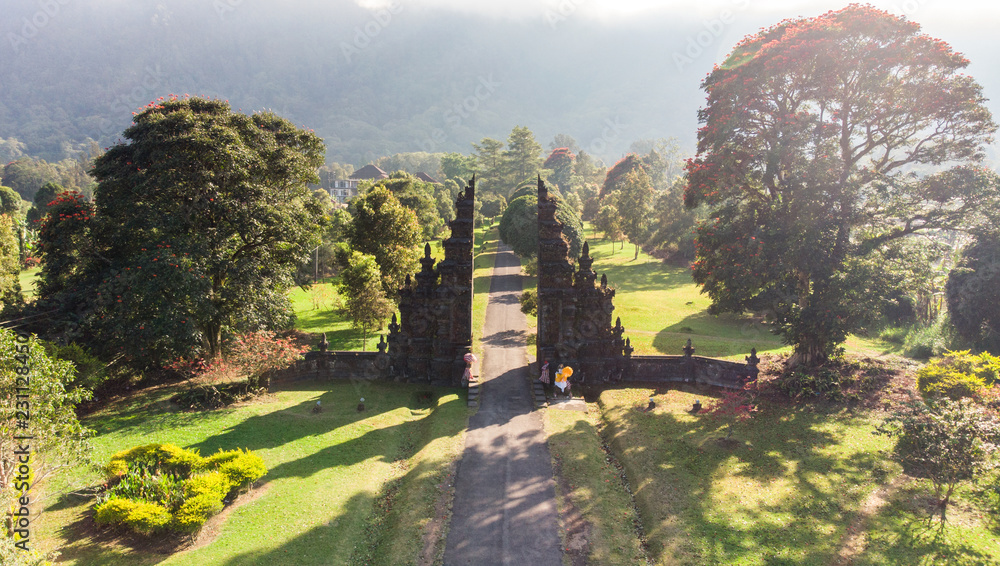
(576,539)
(854,539)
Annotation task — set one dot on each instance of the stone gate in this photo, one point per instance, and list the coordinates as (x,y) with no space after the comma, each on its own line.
(575,328)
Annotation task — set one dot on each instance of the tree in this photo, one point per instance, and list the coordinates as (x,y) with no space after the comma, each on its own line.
(454,165)
(661,157)
(419,197)
(10,201)
(944,441)
(489,165)
(823,140)
(523,157)
(634,201)
(27,175)
(609,221)
(973,292)
(519,226)
(564,140)
(388,231)
(200,220)
(57,438)
(616,175)
(560,161)
(672,223)
(10,264)
(366,303)
(43,197)
(66,244)
(493,205)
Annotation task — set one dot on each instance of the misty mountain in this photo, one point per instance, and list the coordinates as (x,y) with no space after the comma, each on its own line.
(371,82)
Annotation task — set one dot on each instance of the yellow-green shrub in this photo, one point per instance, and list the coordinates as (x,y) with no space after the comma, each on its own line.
(958,374)
(168,458)
(195,511)
(215,484)
(113,511)
(141,516)
(244,469)
(219,458)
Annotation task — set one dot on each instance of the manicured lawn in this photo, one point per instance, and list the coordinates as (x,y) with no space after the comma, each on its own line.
(484,257)
(315,313)
(784,492)
(592,483)
(28,279)
(343,487)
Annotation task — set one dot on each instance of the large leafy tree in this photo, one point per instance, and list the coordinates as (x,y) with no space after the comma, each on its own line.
(10,265)
(523,156)
(365,303)
(518,226)
(973,292)
(201,216)
(823,140)
(634,202)
(560,162)
(489,164)
(384,228)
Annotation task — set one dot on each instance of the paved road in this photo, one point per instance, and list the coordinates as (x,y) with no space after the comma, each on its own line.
(504,511)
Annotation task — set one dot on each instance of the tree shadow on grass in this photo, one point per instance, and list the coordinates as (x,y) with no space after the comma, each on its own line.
(781,514)
(395,443)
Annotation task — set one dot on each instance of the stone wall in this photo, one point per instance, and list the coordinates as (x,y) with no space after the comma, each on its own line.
(336,365)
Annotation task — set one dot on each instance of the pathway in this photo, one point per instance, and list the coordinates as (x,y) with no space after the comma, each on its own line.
(504,511)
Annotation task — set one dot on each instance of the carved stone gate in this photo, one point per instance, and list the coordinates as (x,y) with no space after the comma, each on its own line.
(575,329)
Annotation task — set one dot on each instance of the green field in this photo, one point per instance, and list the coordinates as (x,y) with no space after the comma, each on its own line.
(343,487)
(786,490)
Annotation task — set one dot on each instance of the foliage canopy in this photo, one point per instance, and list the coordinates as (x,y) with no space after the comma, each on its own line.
(823,140)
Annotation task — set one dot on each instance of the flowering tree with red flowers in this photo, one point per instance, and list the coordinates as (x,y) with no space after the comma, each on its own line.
(64,241)
(825,142)
(560,162)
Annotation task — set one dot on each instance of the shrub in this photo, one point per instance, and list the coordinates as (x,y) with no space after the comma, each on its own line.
(165,458)
(219,458)
(244,469)
(923,342)
(113,511)
(529,302)
(153,490)
(958,374)
(214,484)
(89,371)
(944,441)
(195,511)
(11,555)
(148,518)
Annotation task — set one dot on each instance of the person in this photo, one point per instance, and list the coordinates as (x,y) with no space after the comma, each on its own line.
(470,359)
(544,378)
(562,379)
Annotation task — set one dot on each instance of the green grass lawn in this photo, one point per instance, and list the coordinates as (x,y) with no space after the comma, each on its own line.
(315,313)
(484,258)
(343,487)
(784,492)
(28,278)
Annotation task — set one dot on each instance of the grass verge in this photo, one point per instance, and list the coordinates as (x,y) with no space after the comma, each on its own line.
(324,499)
